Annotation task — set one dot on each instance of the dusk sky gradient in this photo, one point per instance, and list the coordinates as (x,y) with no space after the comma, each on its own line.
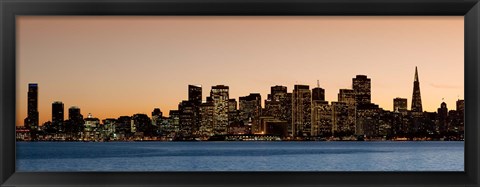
(111,66)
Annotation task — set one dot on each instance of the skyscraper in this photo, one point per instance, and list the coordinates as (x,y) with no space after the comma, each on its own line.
(195,98)
(362,89)
(301,110)
(187,117)
(347,96)
(58,116)
(219,95)
(250,111)
(318,94)
(416,98)
(75,119)
(321,124)
(195,94)
(443,118)
(32,120)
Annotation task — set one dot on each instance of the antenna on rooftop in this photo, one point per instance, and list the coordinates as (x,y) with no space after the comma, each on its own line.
(318,84)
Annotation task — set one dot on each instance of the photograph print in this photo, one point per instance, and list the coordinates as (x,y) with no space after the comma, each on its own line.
(240,93)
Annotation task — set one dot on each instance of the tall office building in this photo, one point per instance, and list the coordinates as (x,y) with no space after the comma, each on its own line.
(233,113)
(206,119)
(347,96)
(195,94)
(416,98)
(362,89)
(58,116)
(400,104)
(340,121)
(250,111)
(277,92)
(321,119)
(32,120)
(460,106)
(301,110)
(219,96)
(195,98)
(443,118)
(187,118)
(318,94)
(75,119)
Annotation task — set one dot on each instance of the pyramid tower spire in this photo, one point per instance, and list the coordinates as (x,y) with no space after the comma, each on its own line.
(416,97)
(416,74)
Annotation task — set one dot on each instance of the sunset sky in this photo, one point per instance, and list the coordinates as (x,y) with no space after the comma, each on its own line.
(114,65)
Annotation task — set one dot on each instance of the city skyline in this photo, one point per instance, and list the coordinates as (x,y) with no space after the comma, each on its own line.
(101,99)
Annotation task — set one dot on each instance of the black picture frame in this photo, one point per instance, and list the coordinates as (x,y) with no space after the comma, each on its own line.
(9,9)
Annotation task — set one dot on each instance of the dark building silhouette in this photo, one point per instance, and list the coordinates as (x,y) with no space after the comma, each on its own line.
(347,96)
(58,116)
(143,124)
(157,117)
(32,120)
(233,112)
(443,118)
(400,104)
(75,119)
(301,110)
(157,112)
(416,98)
(318,94)
(277,92)
(124,125)
(362,88)
(195,98)
(250,111)
(195,94)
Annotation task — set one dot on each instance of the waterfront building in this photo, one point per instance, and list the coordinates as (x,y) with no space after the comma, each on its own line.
(142,123)
(361,85)
(416,97)
(368,116)
(58,116)
(279,105)
(123,127)
(32,120)
(250,111)
(272,126)
(108,129)
(301,110)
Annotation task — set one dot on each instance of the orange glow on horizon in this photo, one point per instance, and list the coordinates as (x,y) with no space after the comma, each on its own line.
(120,65)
